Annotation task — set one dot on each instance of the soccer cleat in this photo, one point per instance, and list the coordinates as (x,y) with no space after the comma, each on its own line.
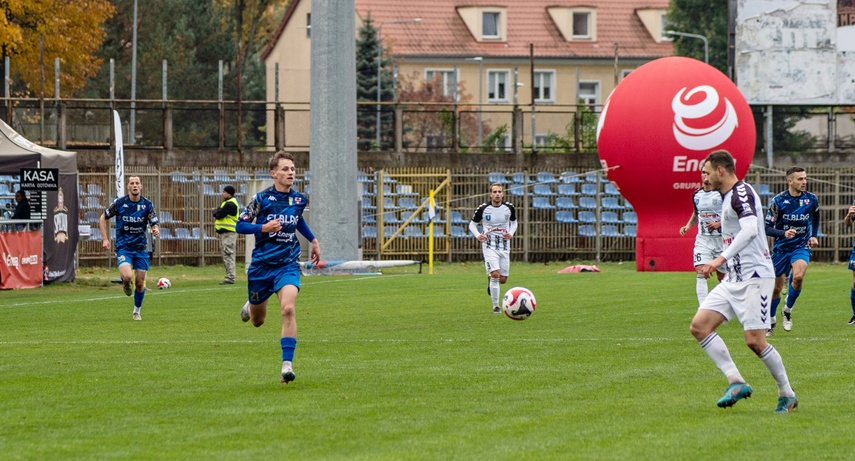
(771,331)
(734,393)
(788,320)
(129,288)
(137,316)
(287,374)
(852,320)
(226,282)
(496,310)
(244,312)
(786,404)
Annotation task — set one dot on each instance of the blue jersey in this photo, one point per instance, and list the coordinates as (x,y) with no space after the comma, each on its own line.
(132,218)
(276,248)
(788,212)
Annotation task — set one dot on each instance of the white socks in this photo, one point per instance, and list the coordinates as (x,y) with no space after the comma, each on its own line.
(701,288)
(494,291)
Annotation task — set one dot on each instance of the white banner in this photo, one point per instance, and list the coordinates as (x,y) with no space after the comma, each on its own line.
(120,156)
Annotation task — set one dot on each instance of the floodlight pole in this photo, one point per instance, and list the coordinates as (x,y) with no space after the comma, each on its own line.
(379,60)
(706,42)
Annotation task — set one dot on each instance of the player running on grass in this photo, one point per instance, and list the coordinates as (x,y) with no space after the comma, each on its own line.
(746,290)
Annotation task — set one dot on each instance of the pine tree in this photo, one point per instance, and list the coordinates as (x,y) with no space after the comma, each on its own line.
(367,45)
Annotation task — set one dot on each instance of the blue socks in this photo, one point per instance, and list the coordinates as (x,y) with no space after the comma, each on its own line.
(792,296)
(288,345)
(138,297)
(774,310)
(852,299)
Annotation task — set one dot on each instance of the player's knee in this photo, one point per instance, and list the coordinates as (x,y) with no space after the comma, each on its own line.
(288,312)
(698,330)
(757,345)
(503,279)
(257,322)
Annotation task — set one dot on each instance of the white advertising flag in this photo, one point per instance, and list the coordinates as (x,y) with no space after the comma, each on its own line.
(120,156)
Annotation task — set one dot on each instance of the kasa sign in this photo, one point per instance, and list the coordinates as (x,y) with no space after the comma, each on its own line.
(43,179)
(655,130)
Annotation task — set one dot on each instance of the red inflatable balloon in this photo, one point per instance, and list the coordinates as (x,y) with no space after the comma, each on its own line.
(656,128)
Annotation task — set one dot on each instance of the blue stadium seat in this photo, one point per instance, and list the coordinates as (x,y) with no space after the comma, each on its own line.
(612,203)
(413,231)
(565,203)
(496,177)
(459,231)
(165,217)
(166,234)
(589,189)
(629,217)
(390,217)
(589,203)
(457,218)
(546,177)
(543,189)
(417,218)
(565,217)
(587,230)
(183,234)
(610,230)
(94,189)
(368,218)
(407,203)
(542,203)
(568,190)
(369,232)
(588,217)
(610,217)
(629,231)
(570,177)
(516,190)
(610,189)
(438,232)
(389,203)
(763,190)
(518,177)
(366,204)
(389,231)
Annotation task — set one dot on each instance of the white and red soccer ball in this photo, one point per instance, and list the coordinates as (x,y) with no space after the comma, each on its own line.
(518,303)
(163,283)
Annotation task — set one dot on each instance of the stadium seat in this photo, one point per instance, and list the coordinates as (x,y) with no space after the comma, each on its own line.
(587,230)
(406,189)
(94,189)
(629,231)
(389,231)
(390,217)
(91,217)
(95,234)
(417,217)
(763,190)
(389,203)
(567,190)
(366,204)
(457,218)
(610,189)
(516,190)
(565,217)
(610,230)
(165,217)
(166,234)
(183,234)
(588,217)
(610,217)
(208,189)
(413,231)
(366,189)
(565,203)
(362,176)
(570,177)
(437,219)
(407,203)
(589,203)
(92,203)
(438,232)
(368,218)
(546,177)
(629,217)
(459,231)
(518,177)
(543,189)
(611,203)
(496,177)
(369,232)
(542,203)
(589,189)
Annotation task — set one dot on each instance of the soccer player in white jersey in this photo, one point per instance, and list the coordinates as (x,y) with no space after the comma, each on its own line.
(746,291)
(498,220)
(707,216)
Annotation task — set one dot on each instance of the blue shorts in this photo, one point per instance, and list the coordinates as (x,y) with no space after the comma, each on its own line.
(784,261)
(138,259)
(852,260)
(266,280)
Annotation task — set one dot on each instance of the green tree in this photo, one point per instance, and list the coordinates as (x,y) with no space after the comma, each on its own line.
(367,46)
(710,20)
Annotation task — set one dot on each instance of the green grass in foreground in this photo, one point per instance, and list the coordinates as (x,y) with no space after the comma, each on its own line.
(413,366)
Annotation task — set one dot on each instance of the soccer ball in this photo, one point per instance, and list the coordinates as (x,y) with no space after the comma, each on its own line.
(163,283)
(518,303)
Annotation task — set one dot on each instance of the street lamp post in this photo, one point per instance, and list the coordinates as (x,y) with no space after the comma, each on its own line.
(480,60)
(706,42)
(379,60)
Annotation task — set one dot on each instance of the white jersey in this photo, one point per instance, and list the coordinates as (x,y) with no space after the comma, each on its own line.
(494,221)
(708,209)
(753,260)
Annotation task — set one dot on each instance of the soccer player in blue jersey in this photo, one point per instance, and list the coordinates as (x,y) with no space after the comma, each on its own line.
(744,293)
(850,216)
(793,219)
(133,213)
(275,215)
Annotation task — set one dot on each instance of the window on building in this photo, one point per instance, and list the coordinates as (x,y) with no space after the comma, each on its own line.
(589,93)
(624,73)
(544,86)
(445,78)
(497,85)
(581,24)
(490,25)
(308,24)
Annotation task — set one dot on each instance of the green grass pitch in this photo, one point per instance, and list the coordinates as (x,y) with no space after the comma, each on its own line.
(409,366)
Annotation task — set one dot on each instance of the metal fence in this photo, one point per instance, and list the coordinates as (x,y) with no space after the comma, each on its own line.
(563,215)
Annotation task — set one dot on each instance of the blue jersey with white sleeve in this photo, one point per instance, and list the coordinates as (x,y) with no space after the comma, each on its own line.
(792,212)
(282,247)
(132,219)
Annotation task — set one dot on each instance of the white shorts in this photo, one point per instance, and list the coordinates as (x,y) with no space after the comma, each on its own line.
(707,249)
(748,301)
(497,260)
